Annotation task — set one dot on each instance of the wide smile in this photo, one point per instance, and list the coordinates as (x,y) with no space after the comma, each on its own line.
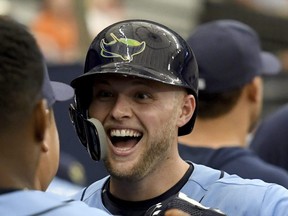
(124,140)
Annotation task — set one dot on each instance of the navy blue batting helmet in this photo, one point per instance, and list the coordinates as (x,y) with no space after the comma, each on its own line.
(143,49)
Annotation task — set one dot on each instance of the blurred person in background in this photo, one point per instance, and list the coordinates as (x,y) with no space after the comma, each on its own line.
(231,63)
(56,30)
(102,13)
(270,140)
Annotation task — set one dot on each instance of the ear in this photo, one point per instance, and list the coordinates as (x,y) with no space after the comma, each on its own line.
(41,120)
(187,109)
(255,89)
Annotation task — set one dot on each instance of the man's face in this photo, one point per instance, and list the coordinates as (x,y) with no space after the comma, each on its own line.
(141,120)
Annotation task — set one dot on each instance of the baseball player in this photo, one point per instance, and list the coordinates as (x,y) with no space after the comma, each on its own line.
(140,82)
(28,134)
(269,141)
(230,96)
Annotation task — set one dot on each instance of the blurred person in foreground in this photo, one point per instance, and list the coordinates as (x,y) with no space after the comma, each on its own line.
(70,177)
(231,63)
(29,141)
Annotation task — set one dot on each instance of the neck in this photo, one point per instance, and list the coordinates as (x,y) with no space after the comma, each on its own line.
(228,130)
(168,173)
(15,180)
(18,165)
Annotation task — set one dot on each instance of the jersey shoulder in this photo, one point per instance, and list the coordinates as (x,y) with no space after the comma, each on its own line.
(20,203)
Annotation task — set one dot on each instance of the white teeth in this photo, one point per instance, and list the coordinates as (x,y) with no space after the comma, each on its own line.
(124,133)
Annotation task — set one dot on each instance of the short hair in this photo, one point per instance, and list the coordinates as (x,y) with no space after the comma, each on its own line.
(21,72)
(217,104)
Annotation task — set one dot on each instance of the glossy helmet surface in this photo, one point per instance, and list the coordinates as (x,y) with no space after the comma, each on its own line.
(143,49)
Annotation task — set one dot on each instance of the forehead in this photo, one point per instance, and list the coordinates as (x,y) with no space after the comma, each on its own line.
(124,82)
(113,79)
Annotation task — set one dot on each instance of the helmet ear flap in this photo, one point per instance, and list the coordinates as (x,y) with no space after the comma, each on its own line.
(96,139)
(90,133)
(77,122)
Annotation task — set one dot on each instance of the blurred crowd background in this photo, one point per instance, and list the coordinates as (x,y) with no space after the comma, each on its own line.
(65,28)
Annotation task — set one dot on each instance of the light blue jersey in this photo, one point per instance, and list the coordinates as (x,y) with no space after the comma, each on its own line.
(28,203)
(231,194)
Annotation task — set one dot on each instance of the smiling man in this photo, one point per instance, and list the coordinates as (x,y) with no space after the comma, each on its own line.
(137,149)
(140,82)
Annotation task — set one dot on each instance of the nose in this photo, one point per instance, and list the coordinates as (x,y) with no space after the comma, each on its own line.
(122,108)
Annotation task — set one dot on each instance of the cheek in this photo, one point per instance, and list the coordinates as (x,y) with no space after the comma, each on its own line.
(55,149)
(157,116)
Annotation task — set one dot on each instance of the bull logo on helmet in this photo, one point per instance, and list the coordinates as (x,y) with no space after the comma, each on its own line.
(123,48)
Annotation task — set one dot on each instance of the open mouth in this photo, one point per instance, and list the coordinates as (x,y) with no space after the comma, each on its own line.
(125,139)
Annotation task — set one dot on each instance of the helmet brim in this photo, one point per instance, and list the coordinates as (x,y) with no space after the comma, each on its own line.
(128,69)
